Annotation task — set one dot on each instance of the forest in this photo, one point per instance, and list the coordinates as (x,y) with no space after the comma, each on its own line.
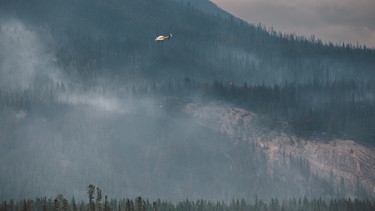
(319,111)
(88,96)
(75,134)
(115,40)
(342,109)
(96,202)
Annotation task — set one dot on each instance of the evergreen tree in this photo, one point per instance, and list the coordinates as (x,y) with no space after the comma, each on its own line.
(74,205)
(154,206)
(90,191)
(106,204)
(98,205)
(56,205)
(140,204)
(65,205)
(129,205)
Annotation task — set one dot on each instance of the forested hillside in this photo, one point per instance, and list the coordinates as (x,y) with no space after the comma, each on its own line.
(111,42)
(115,38)
(88,96)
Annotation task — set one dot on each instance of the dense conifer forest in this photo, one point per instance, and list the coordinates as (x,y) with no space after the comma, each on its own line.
(342,109)
(99,201)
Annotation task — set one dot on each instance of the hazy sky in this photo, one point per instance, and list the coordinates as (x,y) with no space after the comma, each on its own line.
(349,21)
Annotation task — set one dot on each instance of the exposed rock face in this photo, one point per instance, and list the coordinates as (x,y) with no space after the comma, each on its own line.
(348,165)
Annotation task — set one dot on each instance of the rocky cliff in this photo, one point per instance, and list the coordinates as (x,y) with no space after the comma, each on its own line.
(347,166)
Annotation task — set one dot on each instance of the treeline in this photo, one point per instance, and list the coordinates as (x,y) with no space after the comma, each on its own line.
(119,42)
(96,202)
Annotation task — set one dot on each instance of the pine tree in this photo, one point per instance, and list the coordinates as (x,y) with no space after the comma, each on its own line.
(140,204)
(106,204)
(90,191)
(155,206)
(56,205)
(65,205)
(129,205)
(45,205)
(74,205)
(98,199)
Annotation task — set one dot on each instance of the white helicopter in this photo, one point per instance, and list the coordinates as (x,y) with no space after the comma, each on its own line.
(162,37)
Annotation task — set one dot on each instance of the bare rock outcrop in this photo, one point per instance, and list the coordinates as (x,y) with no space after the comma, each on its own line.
(342,162)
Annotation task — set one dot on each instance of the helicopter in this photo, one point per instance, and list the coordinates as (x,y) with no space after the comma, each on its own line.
(163,37)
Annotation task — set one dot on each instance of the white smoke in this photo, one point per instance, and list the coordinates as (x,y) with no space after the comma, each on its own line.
(96,101)
(23,57)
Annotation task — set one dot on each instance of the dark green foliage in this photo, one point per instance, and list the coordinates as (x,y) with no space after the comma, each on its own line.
(342,204)
(106,204)
(98,204)
(90,193)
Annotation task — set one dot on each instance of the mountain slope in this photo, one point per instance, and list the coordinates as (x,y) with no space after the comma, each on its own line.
(118,35)
(88,97)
